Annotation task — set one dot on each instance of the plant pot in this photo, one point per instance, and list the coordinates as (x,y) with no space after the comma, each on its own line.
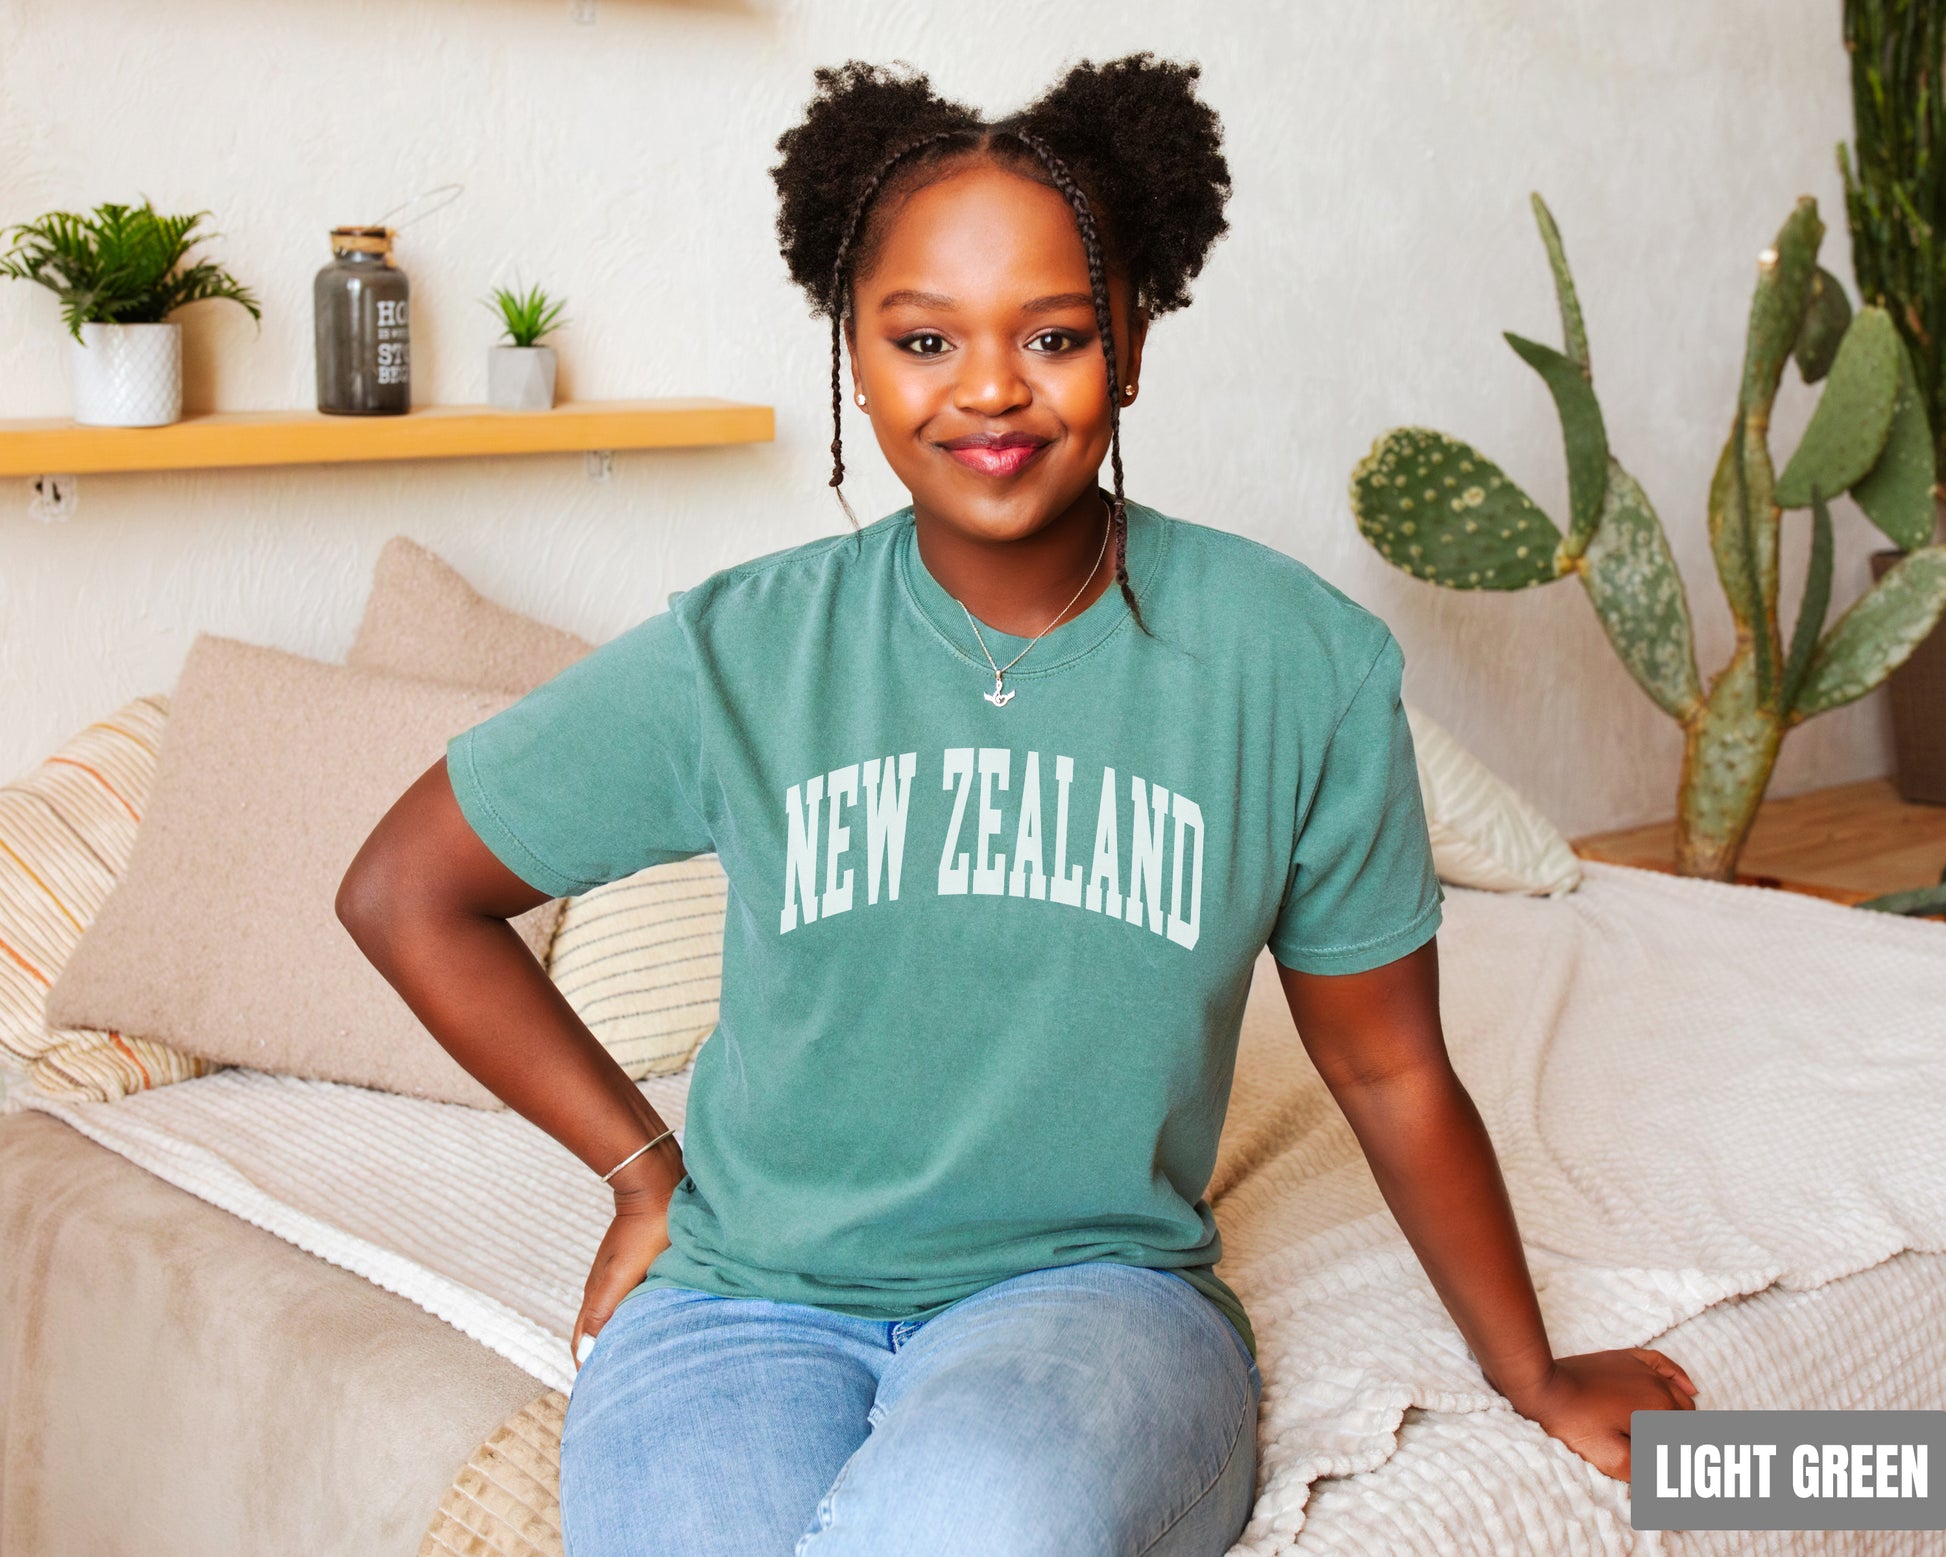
(521,378)
(127,375)
(1917,690)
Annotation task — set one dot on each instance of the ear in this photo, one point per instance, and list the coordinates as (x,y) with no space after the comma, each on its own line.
(1138,333)
(851,357)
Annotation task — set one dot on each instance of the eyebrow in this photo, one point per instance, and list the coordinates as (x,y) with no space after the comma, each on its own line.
(1059,300)
(1052,303)
(915,299)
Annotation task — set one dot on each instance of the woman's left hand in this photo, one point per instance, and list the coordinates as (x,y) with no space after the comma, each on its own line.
(1585,1401)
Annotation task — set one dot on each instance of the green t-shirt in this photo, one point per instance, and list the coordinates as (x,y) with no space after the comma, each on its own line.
(984,966)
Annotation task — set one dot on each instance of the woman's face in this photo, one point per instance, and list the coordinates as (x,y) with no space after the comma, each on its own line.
(974,341)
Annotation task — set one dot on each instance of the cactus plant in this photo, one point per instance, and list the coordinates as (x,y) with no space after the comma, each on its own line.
(1895,181)
(1443,512)
(1921,902)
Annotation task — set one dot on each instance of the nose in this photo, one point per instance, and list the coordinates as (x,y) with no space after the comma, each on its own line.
(989,381)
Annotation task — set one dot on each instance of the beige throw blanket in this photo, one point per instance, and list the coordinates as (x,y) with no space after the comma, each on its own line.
(1696,1091)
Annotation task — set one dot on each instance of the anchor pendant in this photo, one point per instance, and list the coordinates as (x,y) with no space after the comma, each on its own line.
(996,697)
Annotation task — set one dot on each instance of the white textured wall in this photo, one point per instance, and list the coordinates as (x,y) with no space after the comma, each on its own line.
(1382,155)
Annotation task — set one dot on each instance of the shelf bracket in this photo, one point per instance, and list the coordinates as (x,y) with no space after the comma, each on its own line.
(52,499)
(599,464)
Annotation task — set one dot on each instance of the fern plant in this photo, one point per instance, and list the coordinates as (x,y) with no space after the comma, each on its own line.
(527,315)
(119,264)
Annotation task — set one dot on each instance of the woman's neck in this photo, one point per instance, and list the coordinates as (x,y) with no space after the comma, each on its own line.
(1018,586)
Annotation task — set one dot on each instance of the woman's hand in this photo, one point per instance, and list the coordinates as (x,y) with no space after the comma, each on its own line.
(634,1238)
(1585,1401)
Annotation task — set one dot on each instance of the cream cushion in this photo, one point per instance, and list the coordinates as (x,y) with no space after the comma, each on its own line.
(1485,834)
(66,830)
(641,962)
(640,959)
(222,939)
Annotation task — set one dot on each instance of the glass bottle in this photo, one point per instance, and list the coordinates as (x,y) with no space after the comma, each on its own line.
(362,304)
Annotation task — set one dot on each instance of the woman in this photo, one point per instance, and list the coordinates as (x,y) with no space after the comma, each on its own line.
(1010,788)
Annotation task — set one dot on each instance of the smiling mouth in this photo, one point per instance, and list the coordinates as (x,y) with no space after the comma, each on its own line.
(1005,454)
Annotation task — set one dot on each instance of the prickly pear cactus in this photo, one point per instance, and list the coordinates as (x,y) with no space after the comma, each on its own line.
(1826,318)
(1442,511)
(1922,901)
(1847,431)
(1897,493)
(1637,593)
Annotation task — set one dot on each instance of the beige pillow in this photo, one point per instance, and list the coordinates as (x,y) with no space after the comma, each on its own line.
(1485,833)
(641,959)
(422,619)
(222,938)
(66,830)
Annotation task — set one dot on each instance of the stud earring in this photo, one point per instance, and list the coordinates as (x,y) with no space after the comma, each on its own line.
(1129,390)
(859,396)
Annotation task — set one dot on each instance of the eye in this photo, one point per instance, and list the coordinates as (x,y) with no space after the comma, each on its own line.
(924,344)
(1053,341)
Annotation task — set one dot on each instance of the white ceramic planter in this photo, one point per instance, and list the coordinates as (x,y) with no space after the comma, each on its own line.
(521,378)
(127,375)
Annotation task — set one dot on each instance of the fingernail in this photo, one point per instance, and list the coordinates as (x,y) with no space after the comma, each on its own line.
(581,1351)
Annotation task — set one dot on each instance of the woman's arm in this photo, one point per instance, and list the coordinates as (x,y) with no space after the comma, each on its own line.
(428,903)
(1376,1040)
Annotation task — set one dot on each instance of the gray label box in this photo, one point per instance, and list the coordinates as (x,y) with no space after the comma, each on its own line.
(1786,1470)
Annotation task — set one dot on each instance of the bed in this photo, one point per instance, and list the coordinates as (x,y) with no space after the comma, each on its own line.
(339,1325)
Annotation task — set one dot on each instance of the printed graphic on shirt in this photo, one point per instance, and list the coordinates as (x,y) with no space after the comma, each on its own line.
(995,799)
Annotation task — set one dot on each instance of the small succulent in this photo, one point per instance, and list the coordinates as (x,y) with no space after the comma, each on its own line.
(526,316)
(119,264)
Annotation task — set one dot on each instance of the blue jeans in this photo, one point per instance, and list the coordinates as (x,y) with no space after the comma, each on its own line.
(1095,1408)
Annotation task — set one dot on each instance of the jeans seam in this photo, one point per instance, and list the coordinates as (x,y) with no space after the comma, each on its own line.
(826,1512)
(1236,1438)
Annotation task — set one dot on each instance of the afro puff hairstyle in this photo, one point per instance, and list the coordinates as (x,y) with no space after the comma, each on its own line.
(1130,146)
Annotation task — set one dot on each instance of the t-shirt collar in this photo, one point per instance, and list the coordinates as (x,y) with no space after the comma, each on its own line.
(1077,636)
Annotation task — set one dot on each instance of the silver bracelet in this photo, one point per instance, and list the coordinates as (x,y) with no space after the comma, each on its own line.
(634,1154)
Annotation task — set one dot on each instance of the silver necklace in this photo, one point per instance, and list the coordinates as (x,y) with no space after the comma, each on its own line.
(997,697)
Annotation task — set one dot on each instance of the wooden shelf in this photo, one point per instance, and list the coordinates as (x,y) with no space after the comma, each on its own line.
(229,438)
(1847,843)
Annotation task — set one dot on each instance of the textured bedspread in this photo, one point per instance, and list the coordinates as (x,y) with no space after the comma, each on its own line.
(1696,1091)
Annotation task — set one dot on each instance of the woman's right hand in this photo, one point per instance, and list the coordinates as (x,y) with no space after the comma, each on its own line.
(634,1238)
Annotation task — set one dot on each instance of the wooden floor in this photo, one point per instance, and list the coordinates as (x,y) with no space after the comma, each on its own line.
(1849,842)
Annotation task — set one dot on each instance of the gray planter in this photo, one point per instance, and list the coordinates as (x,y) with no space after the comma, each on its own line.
(1917,693)
(521,378)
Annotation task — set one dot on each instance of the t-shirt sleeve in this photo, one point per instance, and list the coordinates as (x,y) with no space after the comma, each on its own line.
(1362,889)
(595,774)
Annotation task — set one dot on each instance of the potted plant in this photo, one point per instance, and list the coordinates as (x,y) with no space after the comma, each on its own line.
(520,376)
(1442,511)
(1895,197)
(119,273)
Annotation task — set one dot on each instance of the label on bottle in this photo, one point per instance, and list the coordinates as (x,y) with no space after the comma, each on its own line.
(394,361)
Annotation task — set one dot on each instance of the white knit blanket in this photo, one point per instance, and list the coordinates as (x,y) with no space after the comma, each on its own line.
(1695,1091)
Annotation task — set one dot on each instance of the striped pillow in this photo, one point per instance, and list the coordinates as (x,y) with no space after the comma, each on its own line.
(1485,833)
(66,830)
(641,962)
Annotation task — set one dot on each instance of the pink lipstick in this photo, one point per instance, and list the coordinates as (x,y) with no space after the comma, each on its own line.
(995,454)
